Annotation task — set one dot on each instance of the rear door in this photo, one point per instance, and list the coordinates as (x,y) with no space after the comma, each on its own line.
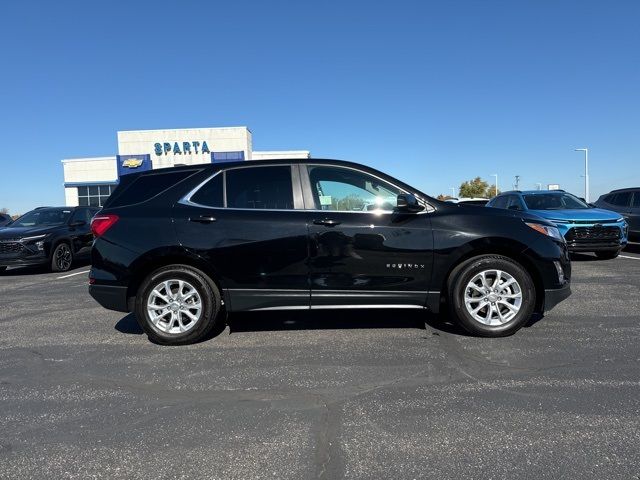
(249,225)
(362,253)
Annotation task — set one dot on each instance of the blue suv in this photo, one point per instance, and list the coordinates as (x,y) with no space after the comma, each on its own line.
(585,228)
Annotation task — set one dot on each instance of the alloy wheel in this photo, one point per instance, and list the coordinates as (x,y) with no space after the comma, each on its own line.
(174,306)
(493,297)
(63,257)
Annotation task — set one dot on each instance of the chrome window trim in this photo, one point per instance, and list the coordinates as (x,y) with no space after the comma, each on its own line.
(186,200)
(428,208)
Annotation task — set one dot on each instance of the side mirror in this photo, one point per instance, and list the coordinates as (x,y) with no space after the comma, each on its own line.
(407,202)
(78,223)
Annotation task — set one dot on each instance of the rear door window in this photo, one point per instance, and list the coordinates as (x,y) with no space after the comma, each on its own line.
(144,187)
(211,194)
(500,202)
(636,199)
(622,199)
(260,188)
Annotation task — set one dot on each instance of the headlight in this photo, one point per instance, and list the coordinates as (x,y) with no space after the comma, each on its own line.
(35,237)
(552,232)
(621,219)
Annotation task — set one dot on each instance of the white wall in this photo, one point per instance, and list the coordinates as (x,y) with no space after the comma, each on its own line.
(71,196)
(276,154)
(97,169)
(227,139)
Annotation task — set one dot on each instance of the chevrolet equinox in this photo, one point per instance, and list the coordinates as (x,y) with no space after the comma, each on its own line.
(180,246)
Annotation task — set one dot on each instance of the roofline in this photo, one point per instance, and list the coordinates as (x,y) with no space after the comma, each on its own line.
(296,161)
(187,128)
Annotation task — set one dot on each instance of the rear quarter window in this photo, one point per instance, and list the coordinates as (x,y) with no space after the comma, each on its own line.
(145,187)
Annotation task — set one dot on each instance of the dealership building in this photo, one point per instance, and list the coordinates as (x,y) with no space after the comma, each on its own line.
(89,181)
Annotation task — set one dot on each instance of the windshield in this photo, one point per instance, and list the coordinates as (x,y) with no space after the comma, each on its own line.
(44,217)
(553,201)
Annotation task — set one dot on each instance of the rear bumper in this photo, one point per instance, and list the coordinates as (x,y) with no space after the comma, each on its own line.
(110,297)
(554,296)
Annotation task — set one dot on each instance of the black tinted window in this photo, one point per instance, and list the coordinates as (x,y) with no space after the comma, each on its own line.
(636,199)
(211,193)
(622,199)
(260,187)
(500,202)
(144,187)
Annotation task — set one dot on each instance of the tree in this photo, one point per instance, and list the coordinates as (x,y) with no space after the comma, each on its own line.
(444,197)
(4,210)
(477,188)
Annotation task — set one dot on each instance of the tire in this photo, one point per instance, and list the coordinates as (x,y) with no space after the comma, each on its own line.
(607,255)
(492,319)
(2,269)
(61,258)
(176,326)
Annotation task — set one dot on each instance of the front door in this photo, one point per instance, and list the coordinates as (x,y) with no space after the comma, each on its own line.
(249,225)
(362,253)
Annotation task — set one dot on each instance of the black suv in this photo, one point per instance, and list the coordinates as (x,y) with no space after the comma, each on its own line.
(179,245)
(626,202)
(51,236)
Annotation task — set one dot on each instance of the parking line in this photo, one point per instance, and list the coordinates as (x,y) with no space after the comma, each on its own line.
(72,275)
(625,256)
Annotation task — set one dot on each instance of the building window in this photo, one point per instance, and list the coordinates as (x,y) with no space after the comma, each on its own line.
(94,195)
(227,156)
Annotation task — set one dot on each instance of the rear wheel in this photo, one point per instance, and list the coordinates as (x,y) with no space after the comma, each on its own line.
(177,305)
(607,255)
(491,296)
(61,258)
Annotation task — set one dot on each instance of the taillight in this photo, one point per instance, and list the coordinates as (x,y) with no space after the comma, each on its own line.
(101,223)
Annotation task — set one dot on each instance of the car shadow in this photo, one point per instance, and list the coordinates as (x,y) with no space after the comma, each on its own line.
(337,319)
(632,248)
(346,319)
(129,325)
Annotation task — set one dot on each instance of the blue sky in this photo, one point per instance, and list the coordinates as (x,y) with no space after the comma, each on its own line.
(434,93)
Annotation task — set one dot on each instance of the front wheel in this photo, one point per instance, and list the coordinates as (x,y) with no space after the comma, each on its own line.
(491,296)
(607,255)
(61,258)
(177,305)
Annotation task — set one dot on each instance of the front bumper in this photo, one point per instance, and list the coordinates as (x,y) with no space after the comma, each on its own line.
(554,296)
(111,297)
(23,261)
(582,237)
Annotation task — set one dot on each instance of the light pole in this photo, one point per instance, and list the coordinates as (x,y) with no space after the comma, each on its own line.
(453,192)
(586,172)
(539,185)
(496,175)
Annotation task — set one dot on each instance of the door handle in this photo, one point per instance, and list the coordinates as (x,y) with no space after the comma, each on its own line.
(203,219)
(327,222)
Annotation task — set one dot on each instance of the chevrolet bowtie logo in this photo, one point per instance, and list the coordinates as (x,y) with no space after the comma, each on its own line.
(132,163)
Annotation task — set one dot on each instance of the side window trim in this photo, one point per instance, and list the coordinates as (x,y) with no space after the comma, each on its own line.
(308,190)
(298,204)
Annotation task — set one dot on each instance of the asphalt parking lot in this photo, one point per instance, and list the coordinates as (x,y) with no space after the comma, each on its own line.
(372,394)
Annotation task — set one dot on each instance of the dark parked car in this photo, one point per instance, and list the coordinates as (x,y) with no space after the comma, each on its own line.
(51,236)
(179,245)
(4,219)
(626,202)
